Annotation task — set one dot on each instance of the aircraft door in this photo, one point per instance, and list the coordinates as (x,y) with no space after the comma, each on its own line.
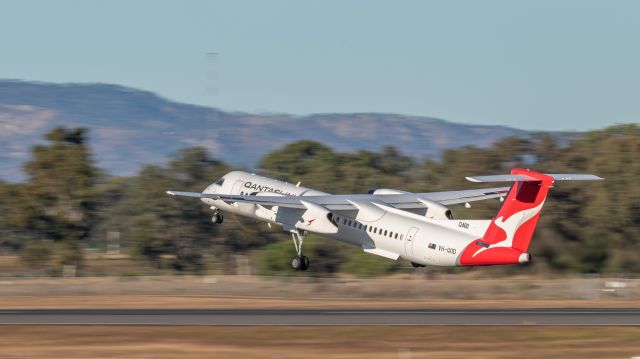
(408,241)
(237,187)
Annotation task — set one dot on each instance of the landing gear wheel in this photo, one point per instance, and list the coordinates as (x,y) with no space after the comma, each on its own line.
(217,218)
(299,262)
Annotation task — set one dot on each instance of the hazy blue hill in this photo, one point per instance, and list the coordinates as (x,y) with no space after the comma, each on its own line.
(131,127)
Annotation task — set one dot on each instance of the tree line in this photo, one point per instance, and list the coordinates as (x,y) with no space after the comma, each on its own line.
(68,207)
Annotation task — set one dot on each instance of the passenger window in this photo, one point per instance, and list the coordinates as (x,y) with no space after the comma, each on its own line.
(390,234)
(365,228)
(385,232)
(396,235)
(349,223)
(401,237)
(344,221)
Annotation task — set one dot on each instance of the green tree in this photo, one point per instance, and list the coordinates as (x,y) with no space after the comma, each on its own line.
(56,202)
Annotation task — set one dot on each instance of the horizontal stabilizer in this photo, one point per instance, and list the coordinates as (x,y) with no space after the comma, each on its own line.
(524,177)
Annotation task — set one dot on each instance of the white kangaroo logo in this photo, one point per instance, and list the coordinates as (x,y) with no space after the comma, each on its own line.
(511,225)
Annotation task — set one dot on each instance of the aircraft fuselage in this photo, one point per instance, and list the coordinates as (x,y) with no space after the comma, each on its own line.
(378,229)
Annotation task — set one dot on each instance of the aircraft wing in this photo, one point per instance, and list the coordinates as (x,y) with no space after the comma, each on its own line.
(345,201)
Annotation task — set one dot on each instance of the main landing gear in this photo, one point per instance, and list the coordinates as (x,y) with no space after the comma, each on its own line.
(299,261)
(217,217)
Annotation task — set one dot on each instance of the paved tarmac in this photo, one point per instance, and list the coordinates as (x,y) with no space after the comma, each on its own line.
(489,316)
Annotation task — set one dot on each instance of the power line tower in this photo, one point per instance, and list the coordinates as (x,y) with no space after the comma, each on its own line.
(212,92)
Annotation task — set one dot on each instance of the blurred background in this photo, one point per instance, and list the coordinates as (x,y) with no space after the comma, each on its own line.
(103,109)
(70,217)
(106,105)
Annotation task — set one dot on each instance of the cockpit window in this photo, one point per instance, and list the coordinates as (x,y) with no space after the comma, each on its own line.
(220,182)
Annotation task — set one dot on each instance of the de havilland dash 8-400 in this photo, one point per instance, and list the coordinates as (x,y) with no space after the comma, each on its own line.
(417,227)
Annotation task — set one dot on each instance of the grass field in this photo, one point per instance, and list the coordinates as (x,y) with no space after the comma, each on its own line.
(318,342)
(284,292)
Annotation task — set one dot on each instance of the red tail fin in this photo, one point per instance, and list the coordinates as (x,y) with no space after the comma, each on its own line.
(519,214)
(509,234)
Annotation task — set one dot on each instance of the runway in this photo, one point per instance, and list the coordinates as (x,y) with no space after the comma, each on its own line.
(489,316)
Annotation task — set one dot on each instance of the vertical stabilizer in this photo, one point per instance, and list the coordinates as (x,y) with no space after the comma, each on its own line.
(514,224)
(508,236)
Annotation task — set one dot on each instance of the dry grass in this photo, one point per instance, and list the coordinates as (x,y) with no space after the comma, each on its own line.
(318,342)
(283,292)
(227,302)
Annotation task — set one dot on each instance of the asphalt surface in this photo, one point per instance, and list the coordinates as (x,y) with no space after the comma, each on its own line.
(489,316)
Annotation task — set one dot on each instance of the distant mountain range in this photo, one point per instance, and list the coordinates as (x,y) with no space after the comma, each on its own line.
(130,128)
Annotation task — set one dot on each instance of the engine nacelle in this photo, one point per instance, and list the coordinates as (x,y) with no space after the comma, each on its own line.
(317,219)
(435,210)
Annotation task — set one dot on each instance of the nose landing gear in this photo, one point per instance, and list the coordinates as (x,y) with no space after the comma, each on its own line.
(217,218)
(299,262)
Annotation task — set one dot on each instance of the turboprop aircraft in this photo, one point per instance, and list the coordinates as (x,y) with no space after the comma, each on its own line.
(391,223)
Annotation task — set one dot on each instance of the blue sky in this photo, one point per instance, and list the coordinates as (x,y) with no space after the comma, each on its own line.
(570,65)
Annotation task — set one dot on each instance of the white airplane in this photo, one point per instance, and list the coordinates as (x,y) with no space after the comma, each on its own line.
(394,224)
